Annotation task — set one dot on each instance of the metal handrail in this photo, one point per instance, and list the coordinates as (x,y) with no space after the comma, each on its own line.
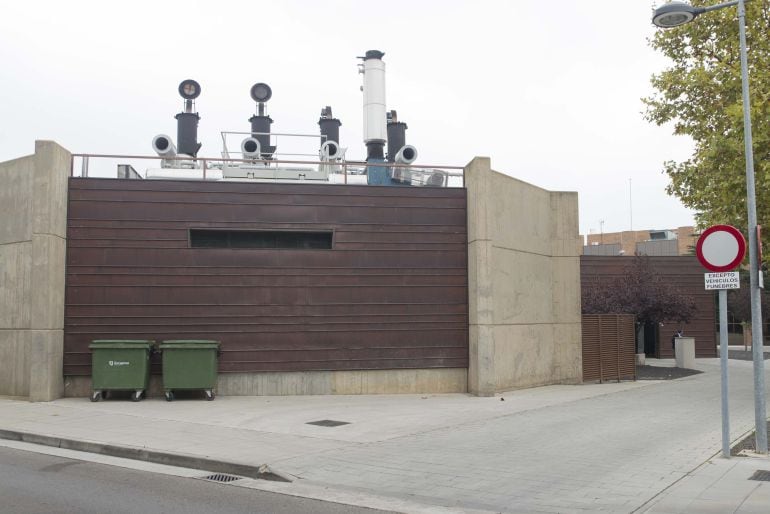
(207,161)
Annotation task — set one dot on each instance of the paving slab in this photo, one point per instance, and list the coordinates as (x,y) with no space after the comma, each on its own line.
(584,448)
(719,485)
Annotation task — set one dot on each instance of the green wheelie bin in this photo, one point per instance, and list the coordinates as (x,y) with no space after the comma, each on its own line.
(190,364)
(120,365)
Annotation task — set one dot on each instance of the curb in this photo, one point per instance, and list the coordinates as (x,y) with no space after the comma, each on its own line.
(262,472)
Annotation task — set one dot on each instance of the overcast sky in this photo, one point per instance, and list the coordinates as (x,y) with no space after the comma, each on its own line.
(550,90)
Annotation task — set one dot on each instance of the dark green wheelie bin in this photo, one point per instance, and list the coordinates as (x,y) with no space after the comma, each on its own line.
(190,364)
(120,365)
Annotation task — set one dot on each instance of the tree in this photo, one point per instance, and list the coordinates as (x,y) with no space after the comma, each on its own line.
(700,93)
(640,292)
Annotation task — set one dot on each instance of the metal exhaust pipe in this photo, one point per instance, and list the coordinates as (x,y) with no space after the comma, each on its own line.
(251,148)
(164,146)
(407,155)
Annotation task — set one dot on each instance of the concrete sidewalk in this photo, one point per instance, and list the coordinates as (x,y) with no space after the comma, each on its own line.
(604,447)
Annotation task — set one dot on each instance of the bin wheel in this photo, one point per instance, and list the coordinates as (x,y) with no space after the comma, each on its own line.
(210,394)
(169,396)
(136,396)
(96,396)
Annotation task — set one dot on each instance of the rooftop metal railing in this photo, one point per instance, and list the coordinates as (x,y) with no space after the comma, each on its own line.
(255,170)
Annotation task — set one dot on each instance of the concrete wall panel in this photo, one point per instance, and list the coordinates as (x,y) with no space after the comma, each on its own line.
(478,189)
(482,359)
(14,363)
(566,241)
(49,200)
(524,283)
(398,381)
(537,355)
(520,214)
(568,345)
(15,285)
(528,354)
(523,287)
(49,257)
(46,352)
(565,273)
(33,207)
(15,204)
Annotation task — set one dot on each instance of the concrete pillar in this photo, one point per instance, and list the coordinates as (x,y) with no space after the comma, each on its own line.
(33,207)
(49,233)
(481,358)
(523,283)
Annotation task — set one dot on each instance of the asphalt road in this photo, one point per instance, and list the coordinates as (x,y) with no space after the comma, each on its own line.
(36,483)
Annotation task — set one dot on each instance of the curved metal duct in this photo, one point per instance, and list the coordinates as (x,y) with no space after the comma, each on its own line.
(407,155)
(163,146)
(251,148)
(330,150)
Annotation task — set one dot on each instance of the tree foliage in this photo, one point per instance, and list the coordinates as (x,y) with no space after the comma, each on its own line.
(640,292)
(700,94)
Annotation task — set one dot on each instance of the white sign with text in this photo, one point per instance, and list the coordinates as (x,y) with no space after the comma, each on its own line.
(726,280)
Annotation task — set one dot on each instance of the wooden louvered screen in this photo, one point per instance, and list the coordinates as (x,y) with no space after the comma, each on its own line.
(608,347)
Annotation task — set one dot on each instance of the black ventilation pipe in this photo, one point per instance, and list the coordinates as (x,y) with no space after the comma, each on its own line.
(396,138)
(330,126)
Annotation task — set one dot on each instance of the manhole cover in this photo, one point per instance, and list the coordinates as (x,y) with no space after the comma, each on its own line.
(221,477)
(328,423)
(762,475)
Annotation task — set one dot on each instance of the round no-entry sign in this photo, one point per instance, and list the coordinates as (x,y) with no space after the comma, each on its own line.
(721,248)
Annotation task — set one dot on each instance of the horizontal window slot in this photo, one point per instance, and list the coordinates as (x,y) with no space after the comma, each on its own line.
(273,239)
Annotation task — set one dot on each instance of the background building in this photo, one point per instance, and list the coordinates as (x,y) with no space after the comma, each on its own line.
(674,241)
(683,273)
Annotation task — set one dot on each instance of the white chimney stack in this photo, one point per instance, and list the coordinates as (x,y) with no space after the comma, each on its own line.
(375,130)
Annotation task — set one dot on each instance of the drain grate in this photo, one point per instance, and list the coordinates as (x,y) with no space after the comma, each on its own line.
(762,475)
(221,477)
(328,423)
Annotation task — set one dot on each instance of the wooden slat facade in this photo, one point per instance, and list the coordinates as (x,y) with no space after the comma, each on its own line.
(391,293)
(609,350)
(685,274)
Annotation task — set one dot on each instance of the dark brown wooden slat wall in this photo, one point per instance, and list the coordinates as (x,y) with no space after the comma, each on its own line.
(608,347)
(392,293)
(684,273)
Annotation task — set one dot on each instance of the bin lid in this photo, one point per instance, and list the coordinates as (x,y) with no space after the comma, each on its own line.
(121,343)
(197,344)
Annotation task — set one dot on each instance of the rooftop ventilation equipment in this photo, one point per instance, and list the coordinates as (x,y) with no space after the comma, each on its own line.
(186,131)
(398,151)
(260,122)
(330,135)
(187,121)
(658,235)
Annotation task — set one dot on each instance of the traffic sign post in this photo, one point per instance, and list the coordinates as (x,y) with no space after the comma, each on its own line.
(720,249)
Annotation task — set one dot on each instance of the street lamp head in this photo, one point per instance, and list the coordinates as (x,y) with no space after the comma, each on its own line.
(673,14)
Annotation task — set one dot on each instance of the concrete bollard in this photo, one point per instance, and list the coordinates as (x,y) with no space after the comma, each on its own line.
(684,352)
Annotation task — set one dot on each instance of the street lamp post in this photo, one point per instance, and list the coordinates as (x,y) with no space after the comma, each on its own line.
(677,13)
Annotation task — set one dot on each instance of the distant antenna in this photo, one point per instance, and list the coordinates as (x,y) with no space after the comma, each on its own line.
(630,207)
